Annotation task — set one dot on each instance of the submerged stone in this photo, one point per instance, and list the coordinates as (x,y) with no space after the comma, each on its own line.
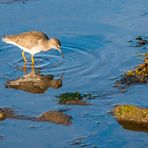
(132,117)
(72,98)
(2,116)
(6,112)
(139,38)
(139,42)
(56,117)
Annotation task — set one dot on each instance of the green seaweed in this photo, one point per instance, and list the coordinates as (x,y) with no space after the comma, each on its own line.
(63,98)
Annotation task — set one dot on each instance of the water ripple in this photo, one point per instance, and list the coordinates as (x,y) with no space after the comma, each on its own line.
(79,58)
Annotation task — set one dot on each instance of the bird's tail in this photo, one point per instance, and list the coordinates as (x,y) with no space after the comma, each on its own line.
(5,38)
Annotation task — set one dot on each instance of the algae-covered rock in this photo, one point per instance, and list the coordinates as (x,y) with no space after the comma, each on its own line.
(72,98)
(132,117)
(137,75)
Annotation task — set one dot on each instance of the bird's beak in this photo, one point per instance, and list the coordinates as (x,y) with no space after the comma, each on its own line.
(61,53)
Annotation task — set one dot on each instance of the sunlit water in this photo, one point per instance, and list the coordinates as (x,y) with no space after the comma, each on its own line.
(94,36)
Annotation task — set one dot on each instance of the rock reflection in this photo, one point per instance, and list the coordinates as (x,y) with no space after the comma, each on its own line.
(54,116)
(34,82)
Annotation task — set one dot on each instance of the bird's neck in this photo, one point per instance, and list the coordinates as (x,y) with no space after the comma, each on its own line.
(46,46)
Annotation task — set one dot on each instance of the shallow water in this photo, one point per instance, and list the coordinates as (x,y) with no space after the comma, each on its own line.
(94,36)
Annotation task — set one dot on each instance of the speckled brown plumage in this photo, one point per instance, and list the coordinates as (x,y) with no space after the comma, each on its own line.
(27,39)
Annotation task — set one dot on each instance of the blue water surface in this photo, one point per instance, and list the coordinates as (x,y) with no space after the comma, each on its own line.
(94,36)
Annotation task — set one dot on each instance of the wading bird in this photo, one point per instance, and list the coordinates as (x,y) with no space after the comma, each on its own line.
(33,42)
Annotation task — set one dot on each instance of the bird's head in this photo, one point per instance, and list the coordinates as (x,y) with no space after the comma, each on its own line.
(55,44)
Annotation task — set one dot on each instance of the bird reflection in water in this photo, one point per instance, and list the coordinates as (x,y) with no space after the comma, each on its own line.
(34,82)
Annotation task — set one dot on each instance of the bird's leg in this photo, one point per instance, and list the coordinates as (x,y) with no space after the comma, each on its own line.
(33,69)
(23,55)
(32,59)
(25,68)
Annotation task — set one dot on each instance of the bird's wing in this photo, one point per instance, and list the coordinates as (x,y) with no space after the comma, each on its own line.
(27,39)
